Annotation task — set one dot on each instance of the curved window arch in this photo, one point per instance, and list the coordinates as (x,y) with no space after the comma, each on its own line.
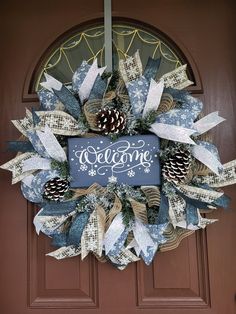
(88,44)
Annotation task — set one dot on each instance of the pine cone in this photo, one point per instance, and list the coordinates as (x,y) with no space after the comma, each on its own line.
(55,189)
(111,120)
(177,166)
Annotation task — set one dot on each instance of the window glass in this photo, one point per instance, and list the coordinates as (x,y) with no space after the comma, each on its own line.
(89,44)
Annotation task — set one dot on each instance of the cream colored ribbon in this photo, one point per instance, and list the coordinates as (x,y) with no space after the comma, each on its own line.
(200,194)
(227,177)
(15,165)
(93,233)
(65,252)
(177,78)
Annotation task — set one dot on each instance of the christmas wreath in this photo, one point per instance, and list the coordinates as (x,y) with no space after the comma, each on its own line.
(145,140)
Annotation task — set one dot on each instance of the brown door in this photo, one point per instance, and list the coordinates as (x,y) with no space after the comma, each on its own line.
(200,275)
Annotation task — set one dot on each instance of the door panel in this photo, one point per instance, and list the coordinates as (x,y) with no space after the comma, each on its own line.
(197,277)
(184,283)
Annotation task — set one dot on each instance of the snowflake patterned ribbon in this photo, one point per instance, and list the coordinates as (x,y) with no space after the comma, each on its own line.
(48,100)
(84,79)
(63,94)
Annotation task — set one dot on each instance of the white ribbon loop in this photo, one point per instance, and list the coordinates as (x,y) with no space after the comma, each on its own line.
(142,236)
(51,83)
(208,122)
(154,96)
(36,163)
(114,232)
(37,223)
(173,132)
(207,158)
(51,144)
(87,85)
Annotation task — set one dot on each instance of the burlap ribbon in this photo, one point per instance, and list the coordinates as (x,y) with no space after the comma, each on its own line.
(91,108)
(115,210)
(139,209)
(167,103)
(152,194)
(174,237)
(95,188)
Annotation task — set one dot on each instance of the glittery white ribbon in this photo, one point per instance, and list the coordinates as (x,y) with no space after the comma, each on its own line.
(142,236)
(37,223)
(51,83)
(208,122)
(114,232)
(51,144)
(154,96)
(36,163)
(87,85)
(207,158)
(28,180)
(173,132)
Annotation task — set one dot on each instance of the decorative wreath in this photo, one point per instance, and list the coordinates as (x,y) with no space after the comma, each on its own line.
(118,221)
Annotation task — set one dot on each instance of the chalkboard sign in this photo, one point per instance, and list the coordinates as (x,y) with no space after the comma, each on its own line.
(130,159)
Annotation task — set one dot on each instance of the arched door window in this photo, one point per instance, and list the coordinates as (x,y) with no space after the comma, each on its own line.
(89,44)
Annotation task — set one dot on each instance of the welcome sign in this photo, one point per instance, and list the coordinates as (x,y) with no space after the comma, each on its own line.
(130,159)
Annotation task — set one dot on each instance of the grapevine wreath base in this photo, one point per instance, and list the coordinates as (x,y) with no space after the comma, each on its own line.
(116,221)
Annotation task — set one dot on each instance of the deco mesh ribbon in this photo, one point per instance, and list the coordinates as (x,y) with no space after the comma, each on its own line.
(120,223)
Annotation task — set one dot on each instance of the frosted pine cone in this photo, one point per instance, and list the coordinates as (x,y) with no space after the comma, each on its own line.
(55,189)
(111,120)
(177,166)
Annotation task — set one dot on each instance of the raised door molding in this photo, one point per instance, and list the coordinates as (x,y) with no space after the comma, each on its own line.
(67,283)
(187,283)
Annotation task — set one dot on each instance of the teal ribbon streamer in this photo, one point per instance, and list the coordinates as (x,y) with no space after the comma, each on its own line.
(193,202)
(222,201)
(20,146)
(99,88)
(163,215)
(119,244)
(35,117)
(77,227)
(59,239)
(57,208)
(177,94)
(71,104)
(191,215)
(151,69)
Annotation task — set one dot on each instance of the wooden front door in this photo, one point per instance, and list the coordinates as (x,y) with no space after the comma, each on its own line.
(200,275)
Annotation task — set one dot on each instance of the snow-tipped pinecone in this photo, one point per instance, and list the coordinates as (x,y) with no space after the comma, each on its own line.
(111,120)
(55,189)
(177,166)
